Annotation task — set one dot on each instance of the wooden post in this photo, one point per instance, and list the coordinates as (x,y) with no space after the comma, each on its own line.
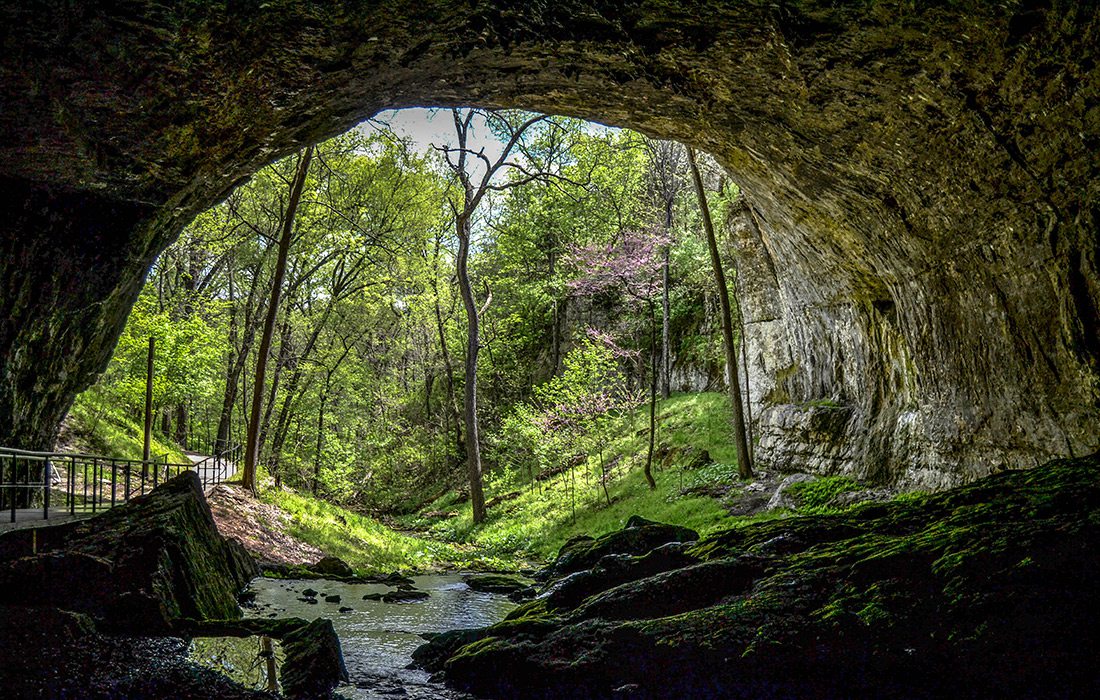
(269,657)
(148,409)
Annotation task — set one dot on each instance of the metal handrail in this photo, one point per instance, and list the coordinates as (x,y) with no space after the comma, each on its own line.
(27,478)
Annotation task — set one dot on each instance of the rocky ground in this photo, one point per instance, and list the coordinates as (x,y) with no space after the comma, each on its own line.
(260,527)
(988,590)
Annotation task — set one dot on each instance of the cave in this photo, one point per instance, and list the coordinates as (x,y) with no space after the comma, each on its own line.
(919,254)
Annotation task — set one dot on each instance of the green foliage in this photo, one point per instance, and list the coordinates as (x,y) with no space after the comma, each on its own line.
(363,397)
(185,362)
(540,518)
(97,426)
(574,413)
(368,545)
(814,496)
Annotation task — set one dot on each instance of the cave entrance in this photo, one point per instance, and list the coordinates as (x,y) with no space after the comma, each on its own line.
(910,168)
(586,247)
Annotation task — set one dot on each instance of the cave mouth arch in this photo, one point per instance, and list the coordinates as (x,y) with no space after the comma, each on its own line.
(935,163)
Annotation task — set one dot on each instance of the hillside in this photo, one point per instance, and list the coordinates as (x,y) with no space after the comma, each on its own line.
(528,523)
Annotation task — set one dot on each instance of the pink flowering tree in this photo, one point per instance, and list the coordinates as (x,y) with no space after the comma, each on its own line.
(628,269)
(570,418)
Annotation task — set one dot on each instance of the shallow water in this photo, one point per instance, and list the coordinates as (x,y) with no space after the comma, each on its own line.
(378,638)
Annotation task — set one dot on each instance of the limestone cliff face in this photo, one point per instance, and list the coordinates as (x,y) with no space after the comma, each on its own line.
(921,267)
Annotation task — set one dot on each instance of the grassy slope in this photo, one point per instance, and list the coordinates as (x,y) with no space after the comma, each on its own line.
(369,545)
(96,427)
(537,522)
(534,524)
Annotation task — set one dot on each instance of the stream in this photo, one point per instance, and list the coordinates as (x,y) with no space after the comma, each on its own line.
(378,638)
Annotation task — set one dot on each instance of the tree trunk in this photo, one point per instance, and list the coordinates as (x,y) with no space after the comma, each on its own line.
(320,440)
(251,454)
(652,402)
(280,364)
(473,450)
(181,425)
(666,351)
(238,358)
(448,373)
(733,379)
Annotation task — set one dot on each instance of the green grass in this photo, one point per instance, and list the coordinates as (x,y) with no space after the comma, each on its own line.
(368,545)
(103,429)
(537,522)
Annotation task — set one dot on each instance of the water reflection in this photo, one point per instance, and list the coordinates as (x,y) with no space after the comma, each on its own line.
(378,638)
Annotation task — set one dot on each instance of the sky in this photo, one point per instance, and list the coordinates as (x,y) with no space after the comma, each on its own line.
(435,126)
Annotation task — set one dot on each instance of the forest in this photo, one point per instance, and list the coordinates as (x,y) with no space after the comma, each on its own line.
(440,309)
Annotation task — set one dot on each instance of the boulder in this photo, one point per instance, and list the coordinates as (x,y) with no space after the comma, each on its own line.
(637,538)
(440,647)
(137,567)
(987,590)
(314,664)
(332,566)
(395,579)
(522,594)
(503,584)
(614,570)
(404,596)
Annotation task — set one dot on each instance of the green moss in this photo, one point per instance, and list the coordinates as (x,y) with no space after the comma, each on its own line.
(815,496)
(531,610)
(478,648)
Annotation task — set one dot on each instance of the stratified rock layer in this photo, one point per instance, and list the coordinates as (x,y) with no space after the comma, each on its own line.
(919,258)
(984,591)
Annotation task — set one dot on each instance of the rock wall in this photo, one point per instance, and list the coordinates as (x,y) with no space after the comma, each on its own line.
(923,289)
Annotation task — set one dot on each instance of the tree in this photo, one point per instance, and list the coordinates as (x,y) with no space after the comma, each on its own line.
(628,267)
(665,183)
(252,446)
(472,189)
(733,381)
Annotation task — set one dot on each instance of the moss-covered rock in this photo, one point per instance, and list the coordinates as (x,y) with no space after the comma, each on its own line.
(637,538)
(136,568)
(986,590)
(503,584)
(314,663)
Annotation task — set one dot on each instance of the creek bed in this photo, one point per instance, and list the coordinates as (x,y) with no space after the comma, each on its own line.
(378,638)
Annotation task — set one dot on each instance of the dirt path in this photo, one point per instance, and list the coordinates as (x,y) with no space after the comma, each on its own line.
(260,527)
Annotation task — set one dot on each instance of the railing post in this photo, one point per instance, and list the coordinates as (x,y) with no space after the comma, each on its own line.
(95,482)
(126,490)
(47,480)
(71,495)
(85,483)
(11,496)
(114,481)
